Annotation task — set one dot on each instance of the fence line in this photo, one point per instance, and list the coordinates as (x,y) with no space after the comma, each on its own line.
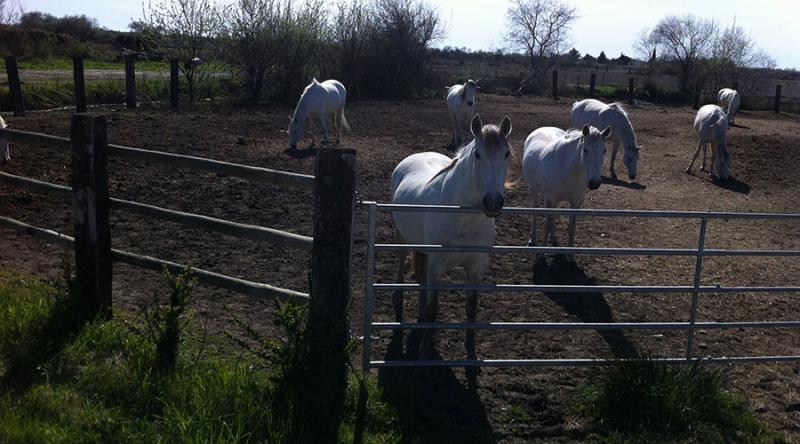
(260,174)
(695,289)
(151,263)
(255,232)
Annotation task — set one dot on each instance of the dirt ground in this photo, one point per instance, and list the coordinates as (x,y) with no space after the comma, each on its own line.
(764,150)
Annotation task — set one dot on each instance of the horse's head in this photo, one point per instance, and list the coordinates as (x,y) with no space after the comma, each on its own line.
(490,165)
(296,128)
(631,160)
(593,150)
(468,92)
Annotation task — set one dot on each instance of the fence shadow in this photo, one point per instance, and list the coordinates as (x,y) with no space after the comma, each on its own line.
(588,307)
(431,403)
(622,183)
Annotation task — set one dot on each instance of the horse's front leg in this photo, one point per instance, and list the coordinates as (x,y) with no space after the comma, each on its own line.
(571,241)
(397,296)
(6,152)
(614,159)
(549,231)
(338,121)
(696,153)
(324,122)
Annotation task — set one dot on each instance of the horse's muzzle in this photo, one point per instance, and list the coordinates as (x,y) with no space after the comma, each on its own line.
(594,184)
(493,205)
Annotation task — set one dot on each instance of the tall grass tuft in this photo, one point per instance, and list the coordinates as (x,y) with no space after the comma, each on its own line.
(644,399)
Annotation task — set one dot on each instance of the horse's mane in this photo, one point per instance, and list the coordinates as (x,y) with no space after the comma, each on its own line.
(461,153)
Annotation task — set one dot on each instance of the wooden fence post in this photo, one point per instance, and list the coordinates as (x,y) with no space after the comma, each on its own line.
(80,85)
(173,84)
(322,398)
(90,204)
(630,90)
(592,84)
(555,84)
(130,82)
(15,86)
(777,98)
(698,94)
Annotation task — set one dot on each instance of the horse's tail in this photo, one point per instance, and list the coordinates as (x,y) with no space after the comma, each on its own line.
(345,124)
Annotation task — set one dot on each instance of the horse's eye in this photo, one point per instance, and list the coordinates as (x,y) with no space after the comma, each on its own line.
(477,155)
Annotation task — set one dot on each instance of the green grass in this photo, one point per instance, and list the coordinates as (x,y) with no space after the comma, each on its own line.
(103,384)
(66,64)
(642,400)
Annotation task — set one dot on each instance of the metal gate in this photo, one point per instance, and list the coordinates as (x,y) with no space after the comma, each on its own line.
(694,288)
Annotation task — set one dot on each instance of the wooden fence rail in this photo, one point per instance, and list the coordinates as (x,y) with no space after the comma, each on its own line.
(150,263)
(254,232)
(258,174)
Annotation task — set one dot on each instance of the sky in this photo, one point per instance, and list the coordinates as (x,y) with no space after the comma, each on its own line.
(604,25)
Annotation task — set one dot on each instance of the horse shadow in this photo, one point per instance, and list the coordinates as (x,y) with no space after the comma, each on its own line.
(733,184)
(621,183)
(431,403)
(736,125)
(302,154)
(588,307)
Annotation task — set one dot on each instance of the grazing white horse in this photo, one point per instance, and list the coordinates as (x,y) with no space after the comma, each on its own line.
(729,99)
(319,100)
(711,124)
(598,114)
(461,107)
(4,146)
(475,177)
(560,165)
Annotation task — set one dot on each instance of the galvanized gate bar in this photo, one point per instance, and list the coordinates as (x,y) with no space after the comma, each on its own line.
(516,288)
(581,325)
(576,362)
(513,249)
(698,269)
(369,298)
(387,208)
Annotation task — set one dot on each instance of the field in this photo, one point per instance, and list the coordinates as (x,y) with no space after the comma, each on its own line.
(506,404)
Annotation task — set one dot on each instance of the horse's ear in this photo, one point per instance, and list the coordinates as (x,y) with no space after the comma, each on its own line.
(606,132)
(505,126)
(585,130)
(476,126)
(314,80)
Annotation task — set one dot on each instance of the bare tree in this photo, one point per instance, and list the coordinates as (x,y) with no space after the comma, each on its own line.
(183,29)
(10,11)
(732,51)
(681,43)
(541,29)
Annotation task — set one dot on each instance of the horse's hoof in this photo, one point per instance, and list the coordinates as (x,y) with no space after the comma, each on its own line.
(688,171)
(614,176)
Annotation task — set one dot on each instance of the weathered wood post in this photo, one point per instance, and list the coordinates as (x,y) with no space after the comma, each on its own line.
(12,71)
(698,94)
(130,82)
(592,84)
(777,98)
(555,84)
(80,85)
(322,399)
(173,84)
(630,90)
(90,204)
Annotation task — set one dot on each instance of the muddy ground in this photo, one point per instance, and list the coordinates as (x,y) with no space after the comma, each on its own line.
(765,153)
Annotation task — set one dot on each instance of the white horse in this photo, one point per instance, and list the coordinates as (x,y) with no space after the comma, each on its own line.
(711,124)
(319,100)
(598,114)
(475,177)
(4,146)
(729,99)
(560,166)
(461,107)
